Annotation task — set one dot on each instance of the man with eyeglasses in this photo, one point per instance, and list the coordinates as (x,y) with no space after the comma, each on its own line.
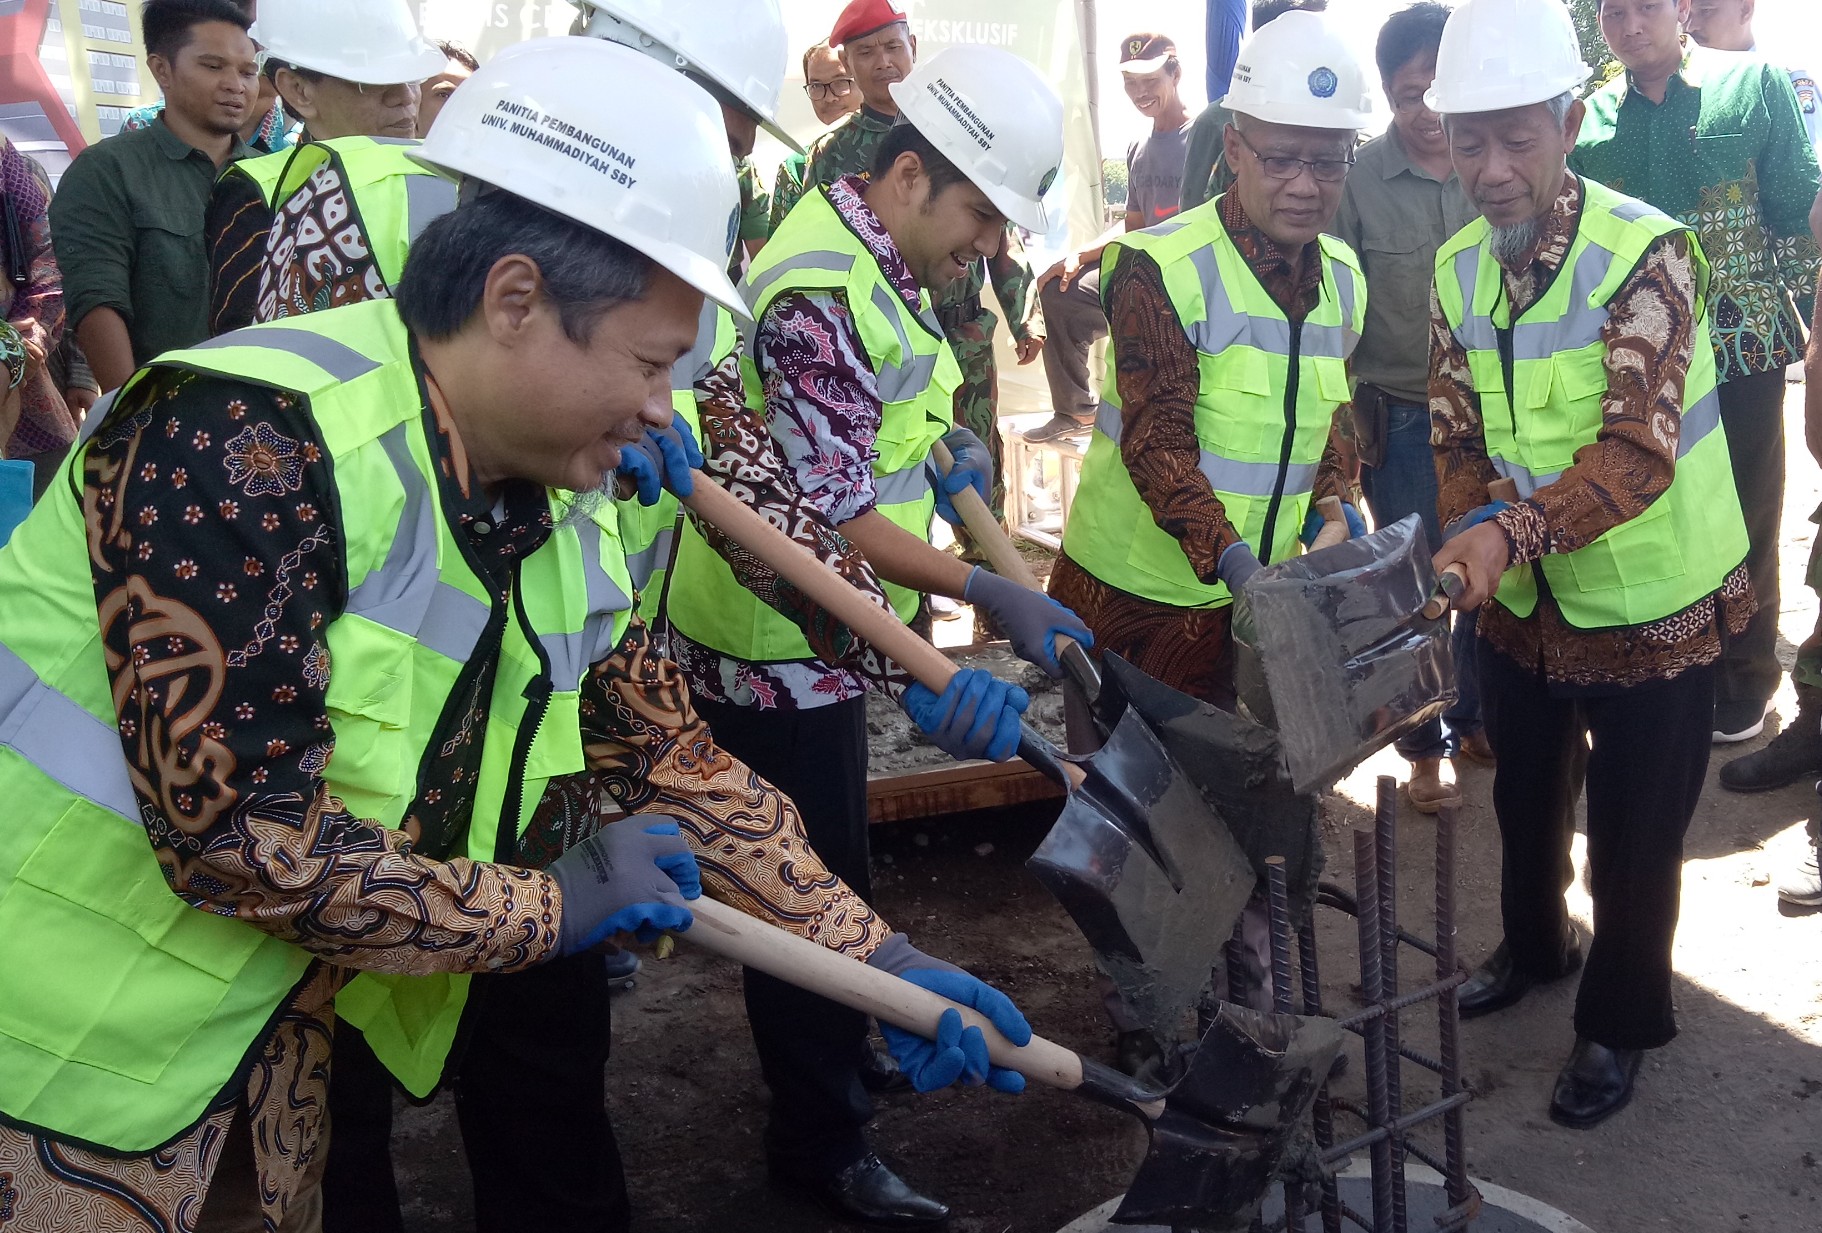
(833,96)
(1231,327)
(1401,204)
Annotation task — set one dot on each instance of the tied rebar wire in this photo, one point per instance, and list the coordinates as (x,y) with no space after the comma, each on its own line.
(1372,982)
(1278,907)
(1385,848)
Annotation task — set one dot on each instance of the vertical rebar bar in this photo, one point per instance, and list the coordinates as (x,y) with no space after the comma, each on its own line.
(1372,984)
(1448,1020)
(1278,914)
(1385,851)
(1235,956)
(1322,1118)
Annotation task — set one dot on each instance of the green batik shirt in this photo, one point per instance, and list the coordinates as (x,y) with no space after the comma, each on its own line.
(1727,153)
(848,150)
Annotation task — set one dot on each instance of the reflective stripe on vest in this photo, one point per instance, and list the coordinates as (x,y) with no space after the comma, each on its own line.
(1261,439)
(816,251)
(171,998)
(1546,404)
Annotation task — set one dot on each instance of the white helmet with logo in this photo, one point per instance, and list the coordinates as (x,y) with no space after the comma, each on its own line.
(991,114)
(606,137)
(369,42)
(1497,54)
(1299,70)
(738,45)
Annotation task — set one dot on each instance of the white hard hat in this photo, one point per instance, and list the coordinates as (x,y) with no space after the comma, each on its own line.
(606,137)
(369,42)
(989,113)
(740,45)
(1497,54)
(1299,70)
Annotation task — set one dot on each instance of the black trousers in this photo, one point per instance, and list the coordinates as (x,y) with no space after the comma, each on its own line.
(1752,411)
(809,1048)
(1642,753)
(530,1101)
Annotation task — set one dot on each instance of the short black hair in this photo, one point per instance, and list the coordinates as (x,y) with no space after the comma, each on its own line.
(585,272)
(460,54)
(1410,34)
(905,139)
(812,53)
(167,23)
(1268,11)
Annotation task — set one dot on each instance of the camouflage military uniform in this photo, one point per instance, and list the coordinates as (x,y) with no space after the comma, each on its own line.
(755,215)
(848,149)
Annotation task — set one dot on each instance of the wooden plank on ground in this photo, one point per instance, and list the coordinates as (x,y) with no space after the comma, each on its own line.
(955,788)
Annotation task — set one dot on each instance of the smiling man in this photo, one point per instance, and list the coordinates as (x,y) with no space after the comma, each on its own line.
(127,221)
(1570,353)
(1402,202)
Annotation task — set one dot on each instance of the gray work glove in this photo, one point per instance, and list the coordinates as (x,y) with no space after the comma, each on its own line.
(631,876)
(1031,621)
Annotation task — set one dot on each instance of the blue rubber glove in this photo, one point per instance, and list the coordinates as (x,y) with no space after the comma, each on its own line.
(977,715)
(957,1052)
(1237,564)
(661,459)
(632,876)
(1314,523)
(1474,517)
(973,469)
(1030,621)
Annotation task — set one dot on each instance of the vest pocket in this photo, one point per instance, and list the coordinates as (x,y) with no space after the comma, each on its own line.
(1642,551)
(135,972)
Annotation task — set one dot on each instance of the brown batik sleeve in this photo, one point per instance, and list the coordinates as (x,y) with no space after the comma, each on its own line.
(641,732)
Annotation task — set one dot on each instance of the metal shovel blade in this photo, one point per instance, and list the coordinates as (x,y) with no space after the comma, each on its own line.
(1348,662)
(1237,765)
(1148,873)
(1229,1121)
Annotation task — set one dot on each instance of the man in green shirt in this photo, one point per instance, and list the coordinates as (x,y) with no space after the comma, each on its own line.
(127,221)
(878,48)
(1717,140)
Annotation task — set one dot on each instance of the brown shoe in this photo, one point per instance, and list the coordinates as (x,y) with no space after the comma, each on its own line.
(1427,789)
(1477,748)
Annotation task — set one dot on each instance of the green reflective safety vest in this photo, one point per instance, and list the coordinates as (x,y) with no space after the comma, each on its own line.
(390,199)
(265,170)
(1550,365)
(1269,390)
(649,533)
(125,1012)
(815,251)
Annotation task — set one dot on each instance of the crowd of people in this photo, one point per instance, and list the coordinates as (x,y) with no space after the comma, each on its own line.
(365,690)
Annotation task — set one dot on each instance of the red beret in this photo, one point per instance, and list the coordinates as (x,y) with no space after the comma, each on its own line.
(864,17)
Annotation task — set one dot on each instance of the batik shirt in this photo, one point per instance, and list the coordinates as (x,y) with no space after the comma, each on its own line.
(214,530)
(823,406)
(1727,153)
(1649,336)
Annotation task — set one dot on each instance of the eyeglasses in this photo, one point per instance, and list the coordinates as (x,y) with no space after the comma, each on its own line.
(840,87)
(1283,167)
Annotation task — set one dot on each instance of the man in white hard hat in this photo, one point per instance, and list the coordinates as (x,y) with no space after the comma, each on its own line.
(1232,327)
(307,731)
(1570,354)
(859,385)
(345,69)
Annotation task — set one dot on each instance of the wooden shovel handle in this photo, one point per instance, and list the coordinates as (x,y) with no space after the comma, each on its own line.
(1334,524)
(798,566)
(1451,584)
(1503,489)
(798,961)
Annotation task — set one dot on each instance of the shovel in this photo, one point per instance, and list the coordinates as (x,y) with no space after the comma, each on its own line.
(1218,1134)
(1137,858)
(1234,763)
(1345,650)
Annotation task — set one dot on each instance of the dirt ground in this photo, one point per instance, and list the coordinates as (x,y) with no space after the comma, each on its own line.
(1725,1133)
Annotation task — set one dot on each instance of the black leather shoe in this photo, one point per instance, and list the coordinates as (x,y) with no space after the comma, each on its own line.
(879,1073)
(1060,424)
(867,1192)
(1595,1084)
(1497,983)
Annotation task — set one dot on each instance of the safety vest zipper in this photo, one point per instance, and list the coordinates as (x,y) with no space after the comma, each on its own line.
(537,695)
(1268,536)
